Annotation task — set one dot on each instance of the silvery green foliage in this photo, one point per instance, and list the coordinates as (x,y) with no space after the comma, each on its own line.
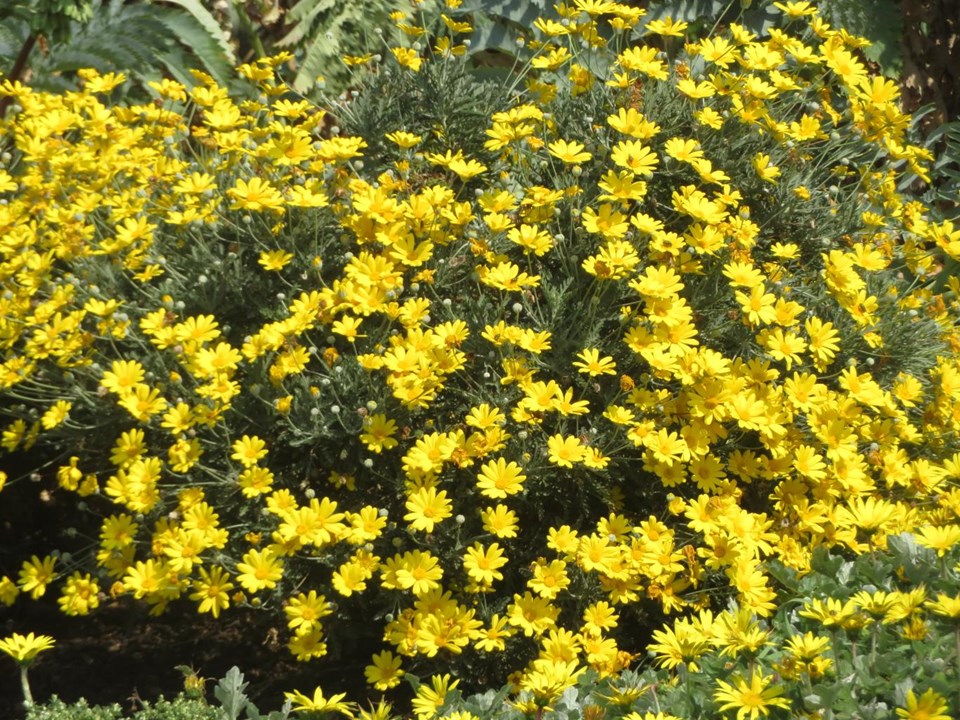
(234,703)
(324,30)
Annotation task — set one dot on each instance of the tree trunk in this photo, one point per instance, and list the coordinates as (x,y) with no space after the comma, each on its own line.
(931,58)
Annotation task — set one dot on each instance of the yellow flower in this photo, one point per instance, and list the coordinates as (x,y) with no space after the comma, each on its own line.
(565,450)
(631,122)
(750,699)
(592,364)
(667,26)
(940,538)
(765,170)
(532,238)
(719,51)
(466,169)
(255,481)
(348,326)
(797,9)
(122,376)
(378,433)
(274,260)
(407,58)
(929,706)
(571,153)
(25,648)
(305,610)
(500,521)
(831,612)
(635,156)
(549,578)
(419,572)
(55,414)
(947,606)
(643,59)
(404,139)
(507,276)
(80,595)
(212,591)
(498,478)
(8,591)
(532,614)
(248,450)
(259,570)
(36,574)
(427,507)
(143,402)
(431,697)
(255,194)
(385,672)
(319,704)
(482,563)
(552,59)
(493,638)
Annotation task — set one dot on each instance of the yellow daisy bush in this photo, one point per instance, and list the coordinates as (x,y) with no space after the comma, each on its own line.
(638,344)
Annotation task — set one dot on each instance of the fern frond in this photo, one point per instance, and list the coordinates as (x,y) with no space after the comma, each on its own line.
(191,34)
(317,55)
(143,40)
(305,8)
(209,24)
(304,14)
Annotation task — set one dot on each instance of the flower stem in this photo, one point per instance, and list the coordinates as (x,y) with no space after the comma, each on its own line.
(25,685)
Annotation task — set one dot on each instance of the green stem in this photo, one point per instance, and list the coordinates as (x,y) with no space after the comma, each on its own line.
(25,685)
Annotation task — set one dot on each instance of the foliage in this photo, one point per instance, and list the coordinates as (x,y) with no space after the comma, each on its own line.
(235,704)
(500,389)
(49,18)
(879,21)
(944,192)
(147,40)
(862,653)
(445,101)
(502,24)
(180,708)
(323,31)
(891,645)
(232,704)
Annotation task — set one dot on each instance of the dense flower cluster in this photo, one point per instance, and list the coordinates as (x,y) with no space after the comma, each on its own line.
(671,321)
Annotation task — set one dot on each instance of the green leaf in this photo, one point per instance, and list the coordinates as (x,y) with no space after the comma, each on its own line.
(519,12)
(13,33)
(230,692)
(208,23)
(686,10)
(826,564)
(784,575)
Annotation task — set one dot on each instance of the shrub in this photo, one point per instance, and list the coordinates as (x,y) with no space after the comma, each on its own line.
(669,327)
(180,708)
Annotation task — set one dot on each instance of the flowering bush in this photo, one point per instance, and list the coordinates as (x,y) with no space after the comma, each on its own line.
(516,373)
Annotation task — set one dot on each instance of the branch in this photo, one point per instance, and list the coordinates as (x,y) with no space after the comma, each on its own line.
(19,65)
